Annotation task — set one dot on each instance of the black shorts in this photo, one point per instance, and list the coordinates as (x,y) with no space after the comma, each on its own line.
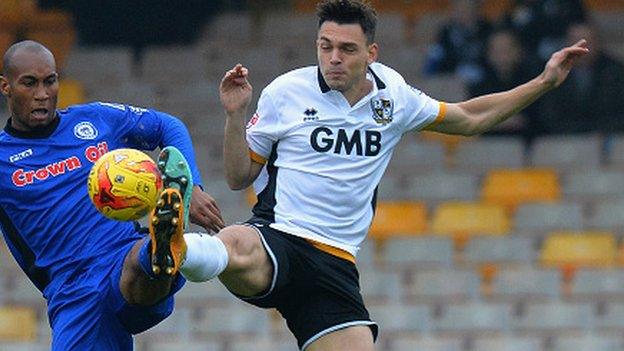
(317,293)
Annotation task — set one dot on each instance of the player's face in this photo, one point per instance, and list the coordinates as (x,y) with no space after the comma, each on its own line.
(344,55)
(31,89)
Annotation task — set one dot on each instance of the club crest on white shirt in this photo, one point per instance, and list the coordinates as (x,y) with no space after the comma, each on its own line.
(382,110)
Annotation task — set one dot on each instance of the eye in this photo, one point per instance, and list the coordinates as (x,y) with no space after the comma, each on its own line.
(51,80)
(29,83)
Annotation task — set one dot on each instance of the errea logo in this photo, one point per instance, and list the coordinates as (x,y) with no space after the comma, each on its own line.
(85,131)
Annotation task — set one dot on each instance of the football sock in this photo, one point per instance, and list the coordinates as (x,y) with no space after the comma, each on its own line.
(206,257)
(145,259)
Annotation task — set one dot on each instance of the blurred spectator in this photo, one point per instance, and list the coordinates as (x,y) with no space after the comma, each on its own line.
(542,24)
(507,66)
(591,99)
(460,43)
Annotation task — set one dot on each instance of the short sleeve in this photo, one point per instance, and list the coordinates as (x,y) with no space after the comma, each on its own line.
(263,129)
(422,111)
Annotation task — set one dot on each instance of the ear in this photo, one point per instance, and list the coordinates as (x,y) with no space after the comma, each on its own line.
(5,88)
(373,52)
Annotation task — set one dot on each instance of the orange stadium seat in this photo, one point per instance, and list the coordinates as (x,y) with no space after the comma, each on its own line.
(71,92)
(17,323)
(461,220)
(605,5)
(510,188)
(398,218)
(6,40)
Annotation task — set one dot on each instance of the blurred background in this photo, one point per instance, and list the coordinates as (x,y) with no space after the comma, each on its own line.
(508,241)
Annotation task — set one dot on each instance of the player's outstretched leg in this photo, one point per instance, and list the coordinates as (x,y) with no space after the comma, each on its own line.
(170,217)
(176,174)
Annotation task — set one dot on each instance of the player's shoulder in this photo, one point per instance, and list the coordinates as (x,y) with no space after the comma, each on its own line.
(388,75)
(297,78)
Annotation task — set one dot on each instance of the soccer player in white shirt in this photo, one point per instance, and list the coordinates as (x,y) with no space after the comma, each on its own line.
(315,151)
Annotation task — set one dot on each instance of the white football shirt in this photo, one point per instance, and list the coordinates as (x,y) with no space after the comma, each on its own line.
(325,158)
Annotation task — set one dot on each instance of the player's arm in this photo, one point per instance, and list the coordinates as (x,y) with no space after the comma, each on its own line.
(480,114)
(235,92)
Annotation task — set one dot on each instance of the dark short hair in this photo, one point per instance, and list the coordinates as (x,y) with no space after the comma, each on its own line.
(349,12)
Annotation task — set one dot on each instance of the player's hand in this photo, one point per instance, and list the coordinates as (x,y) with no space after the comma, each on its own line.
(561,62)
(235,90)
(205,212)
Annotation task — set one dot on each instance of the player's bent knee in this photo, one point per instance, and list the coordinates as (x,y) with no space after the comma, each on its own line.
(244,248)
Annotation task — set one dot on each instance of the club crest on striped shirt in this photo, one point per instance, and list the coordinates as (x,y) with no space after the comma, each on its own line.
(382,110)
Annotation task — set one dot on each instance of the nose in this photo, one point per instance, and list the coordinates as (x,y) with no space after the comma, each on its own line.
(41,93)
(335,58)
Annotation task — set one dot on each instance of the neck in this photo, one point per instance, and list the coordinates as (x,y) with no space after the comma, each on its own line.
(357,93)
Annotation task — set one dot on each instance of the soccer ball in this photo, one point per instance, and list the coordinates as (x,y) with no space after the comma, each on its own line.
(124,184)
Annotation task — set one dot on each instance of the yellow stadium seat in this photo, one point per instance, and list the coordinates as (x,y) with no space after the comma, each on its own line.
(17,323)
(461,220)
(569,251)
(71,92)
(398,218)
(581,249)
(512,187)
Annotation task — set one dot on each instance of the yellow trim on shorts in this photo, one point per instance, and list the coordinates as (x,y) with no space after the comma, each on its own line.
(257,158)
(439,117)
(334,251)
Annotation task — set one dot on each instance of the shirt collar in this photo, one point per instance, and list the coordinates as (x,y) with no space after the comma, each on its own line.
(33,134)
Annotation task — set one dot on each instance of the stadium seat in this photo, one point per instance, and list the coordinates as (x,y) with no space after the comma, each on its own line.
(554,317)
(185,344)
(473,318)
(519,284)
(588,342)
(186,63)
(396,318)
(566,153)
(379,286)
(500,250)
(71,92)
(24,346)
(593,185)
(612,319)
(261,344)
(443,285)
(526,284)
(608,215)
(461,220)
(513,187)
(178,324)
(489,253)
(412,157)
(598,284)
(398,218)
(436,187)
(507,343)
(419,252)
(541,218)
(104,67)
(426,342)
(6,40)
(17,323)
(233,319)
(485,153)
(206,294)
(579,249)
